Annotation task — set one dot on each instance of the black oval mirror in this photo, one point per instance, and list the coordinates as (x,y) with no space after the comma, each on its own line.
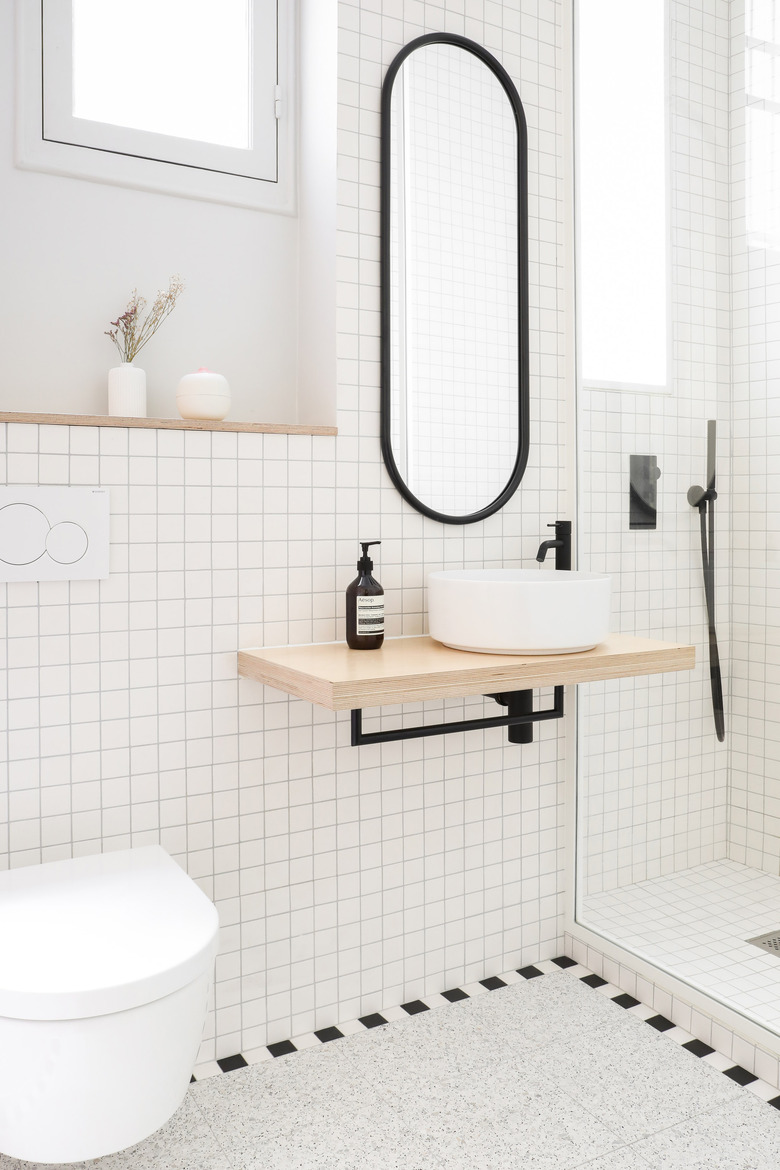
(454,279)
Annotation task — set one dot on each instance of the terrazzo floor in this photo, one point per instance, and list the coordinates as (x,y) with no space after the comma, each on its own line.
(695,924)
(543,1073)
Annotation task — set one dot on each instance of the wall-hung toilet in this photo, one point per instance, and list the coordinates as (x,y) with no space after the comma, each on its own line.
(105,966)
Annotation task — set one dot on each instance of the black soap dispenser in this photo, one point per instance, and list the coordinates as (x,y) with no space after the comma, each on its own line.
(365,606)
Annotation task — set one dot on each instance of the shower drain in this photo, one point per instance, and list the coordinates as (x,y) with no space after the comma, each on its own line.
(768,942)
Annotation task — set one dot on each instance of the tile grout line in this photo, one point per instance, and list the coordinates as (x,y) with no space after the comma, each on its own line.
(563,963)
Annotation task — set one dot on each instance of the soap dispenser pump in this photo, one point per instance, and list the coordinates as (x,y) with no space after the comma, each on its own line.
(365,606)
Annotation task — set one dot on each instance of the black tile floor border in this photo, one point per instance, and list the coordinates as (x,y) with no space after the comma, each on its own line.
(372,1021)
(593,981)
(415,1007)
(698,1048)
(563,961)
(231,1063)
(740,1075)
(282,1048)
(326,1034)
(455,994)
(660,1023)
(493,983)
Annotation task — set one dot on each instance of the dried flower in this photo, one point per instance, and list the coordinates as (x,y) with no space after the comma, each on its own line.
(130,333)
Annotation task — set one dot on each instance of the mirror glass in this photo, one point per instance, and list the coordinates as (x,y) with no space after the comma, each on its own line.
(455,318)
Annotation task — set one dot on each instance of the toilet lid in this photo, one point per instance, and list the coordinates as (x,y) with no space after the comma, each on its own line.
(94,935)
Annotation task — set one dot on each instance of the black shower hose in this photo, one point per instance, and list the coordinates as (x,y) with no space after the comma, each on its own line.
(707,524)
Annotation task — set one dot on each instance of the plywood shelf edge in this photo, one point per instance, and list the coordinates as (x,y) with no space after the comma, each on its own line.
(164,424)
(417,669)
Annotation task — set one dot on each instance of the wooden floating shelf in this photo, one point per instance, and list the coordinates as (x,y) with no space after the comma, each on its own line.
(164,424)
(408,670)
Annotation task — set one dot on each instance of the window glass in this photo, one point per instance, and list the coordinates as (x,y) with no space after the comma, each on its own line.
(183,68)
(190,97)
(622,193)
(762,124)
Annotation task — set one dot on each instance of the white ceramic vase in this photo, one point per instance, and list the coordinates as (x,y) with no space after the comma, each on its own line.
(127,391)
(204,395)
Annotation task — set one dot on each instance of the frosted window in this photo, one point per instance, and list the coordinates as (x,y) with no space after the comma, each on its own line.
(762,124)
(621,182)
(176,67)
(761,20)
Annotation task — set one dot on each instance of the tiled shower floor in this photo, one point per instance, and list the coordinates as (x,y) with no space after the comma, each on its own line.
(542,1074)
(694,923)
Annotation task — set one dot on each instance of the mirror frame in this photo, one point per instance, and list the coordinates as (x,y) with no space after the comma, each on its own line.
(522,275)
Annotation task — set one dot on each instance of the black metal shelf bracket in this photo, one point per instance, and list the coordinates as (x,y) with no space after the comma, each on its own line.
(520,716)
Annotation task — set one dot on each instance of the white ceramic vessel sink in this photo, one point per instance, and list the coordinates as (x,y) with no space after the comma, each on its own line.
(519,611)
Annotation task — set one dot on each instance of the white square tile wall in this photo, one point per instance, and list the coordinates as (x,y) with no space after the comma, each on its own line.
(346,879)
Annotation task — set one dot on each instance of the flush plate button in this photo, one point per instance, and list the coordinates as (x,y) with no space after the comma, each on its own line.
(53,533)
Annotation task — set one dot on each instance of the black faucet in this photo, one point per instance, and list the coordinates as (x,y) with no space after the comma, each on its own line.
(521,702)
(561,544)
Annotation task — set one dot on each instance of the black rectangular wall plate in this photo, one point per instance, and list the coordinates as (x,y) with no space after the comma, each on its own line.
(643,491)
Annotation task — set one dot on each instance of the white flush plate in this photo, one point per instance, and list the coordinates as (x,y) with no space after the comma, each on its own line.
(53,533)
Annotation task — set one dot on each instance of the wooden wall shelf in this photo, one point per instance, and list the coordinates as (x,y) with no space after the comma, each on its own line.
(416,669)
(163,424)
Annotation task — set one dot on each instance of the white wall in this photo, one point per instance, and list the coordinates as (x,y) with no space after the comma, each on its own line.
(346,879)
(73,250)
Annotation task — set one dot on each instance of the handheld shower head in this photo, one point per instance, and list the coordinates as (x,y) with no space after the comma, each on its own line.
(697,495)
